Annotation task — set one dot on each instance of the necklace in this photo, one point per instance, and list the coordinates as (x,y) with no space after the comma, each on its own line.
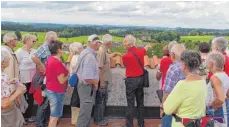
(191,75)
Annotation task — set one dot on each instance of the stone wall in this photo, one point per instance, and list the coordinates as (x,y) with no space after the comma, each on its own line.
(117,94)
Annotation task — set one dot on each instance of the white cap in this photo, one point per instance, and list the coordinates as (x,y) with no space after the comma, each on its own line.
(107,38)
(93,38)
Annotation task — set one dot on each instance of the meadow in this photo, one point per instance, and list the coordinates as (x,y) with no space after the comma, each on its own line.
(117,47)
(198,38)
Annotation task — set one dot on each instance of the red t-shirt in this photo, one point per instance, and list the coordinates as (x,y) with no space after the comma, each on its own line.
(133,69)
(164,66)
(54,68)
(226,66)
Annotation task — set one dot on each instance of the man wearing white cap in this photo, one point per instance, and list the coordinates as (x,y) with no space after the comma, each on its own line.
(104,79)
(88,74)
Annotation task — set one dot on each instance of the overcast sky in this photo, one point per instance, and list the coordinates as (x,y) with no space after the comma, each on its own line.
(166,14)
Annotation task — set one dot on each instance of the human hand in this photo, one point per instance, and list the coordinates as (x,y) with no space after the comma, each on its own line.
(21,89)
(102,84)
(41,68)
(13,81)
(161,113)
(96,84)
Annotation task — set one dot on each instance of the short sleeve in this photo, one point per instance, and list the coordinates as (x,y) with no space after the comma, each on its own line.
(174,99)
(101,58)
(61,68)
(41,52)
(89,67)
(172,77)
(6,89)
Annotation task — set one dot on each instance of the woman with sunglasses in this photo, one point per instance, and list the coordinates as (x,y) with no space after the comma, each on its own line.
(27,70)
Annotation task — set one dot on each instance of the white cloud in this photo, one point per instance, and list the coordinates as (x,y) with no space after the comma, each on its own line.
(166,14)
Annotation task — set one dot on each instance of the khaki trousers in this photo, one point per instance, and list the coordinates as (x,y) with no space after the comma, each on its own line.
(75,114)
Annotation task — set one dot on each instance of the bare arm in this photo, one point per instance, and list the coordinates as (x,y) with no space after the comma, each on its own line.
(9,100)
(38,62)
(62,78)
(92,81)
(217,86)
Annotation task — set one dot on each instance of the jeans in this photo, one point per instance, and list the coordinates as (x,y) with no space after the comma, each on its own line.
(134,88)
(100,104)
(167,121)
(227,105)
(42,113)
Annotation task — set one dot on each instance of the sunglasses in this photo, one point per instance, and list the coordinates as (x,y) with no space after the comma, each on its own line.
(34,41)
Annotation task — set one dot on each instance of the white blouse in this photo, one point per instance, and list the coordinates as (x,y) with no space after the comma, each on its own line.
(26,65)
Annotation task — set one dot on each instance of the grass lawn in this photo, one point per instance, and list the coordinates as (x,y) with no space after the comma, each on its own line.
(198,38)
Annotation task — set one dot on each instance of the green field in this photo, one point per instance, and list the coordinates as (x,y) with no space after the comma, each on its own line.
(198,38)
(81,39)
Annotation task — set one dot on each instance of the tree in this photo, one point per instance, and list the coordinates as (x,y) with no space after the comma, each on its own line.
(18,34)
(2,34)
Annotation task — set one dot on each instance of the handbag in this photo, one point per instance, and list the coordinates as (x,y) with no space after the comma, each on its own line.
(160,94)
(145,75)
(73,79)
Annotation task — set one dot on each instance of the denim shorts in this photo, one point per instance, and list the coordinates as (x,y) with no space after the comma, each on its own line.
(56,102)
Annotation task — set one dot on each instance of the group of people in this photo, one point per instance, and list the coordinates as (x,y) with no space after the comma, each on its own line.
(190,94)
(29,74)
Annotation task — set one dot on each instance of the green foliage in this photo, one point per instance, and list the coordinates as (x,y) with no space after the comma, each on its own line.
(18,34)
(156,50)
(195,33)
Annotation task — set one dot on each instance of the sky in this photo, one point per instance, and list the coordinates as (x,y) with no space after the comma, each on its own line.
(201,14)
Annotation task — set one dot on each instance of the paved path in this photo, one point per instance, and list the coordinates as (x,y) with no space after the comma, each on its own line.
(66,122)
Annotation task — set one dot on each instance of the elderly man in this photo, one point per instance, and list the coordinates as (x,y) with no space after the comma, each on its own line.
(10,41)
(39,58)
(104,79)
(174,74)
(88,74)
(133,81)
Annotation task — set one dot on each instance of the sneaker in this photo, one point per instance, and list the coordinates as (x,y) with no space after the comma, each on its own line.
(104,122)
(30,120)
(25,123)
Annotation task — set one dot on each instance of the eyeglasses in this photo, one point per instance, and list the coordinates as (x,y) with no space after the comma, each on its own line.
(34,41)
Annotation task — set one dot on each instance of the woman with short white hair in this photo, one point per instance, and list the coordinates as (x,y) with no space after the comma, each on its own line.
(27,70)
(75,49)
(11,89)
(217,88)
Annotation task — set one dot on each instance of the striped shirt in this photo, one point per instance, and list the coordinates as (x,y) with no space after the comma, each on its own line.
(174,74)
(89,66)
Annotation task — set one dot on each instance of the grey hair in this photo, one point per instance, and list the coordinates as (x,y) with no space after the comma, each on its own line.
(192,60)
(75,47)
(131,40)
(171,44)
(50,33)
(9,37)
(221,43)
(217,59)
(107,38)
(178,49)
(4,55)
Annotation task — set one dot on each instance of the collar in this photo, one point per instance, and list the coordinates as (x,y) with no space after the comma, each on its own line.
(176,62)
(131,48)
(103,48)
(9,49)
(91,50)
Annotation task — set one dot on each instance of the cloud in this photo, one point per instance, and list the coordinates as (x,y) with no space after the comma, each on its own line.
(167,14)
